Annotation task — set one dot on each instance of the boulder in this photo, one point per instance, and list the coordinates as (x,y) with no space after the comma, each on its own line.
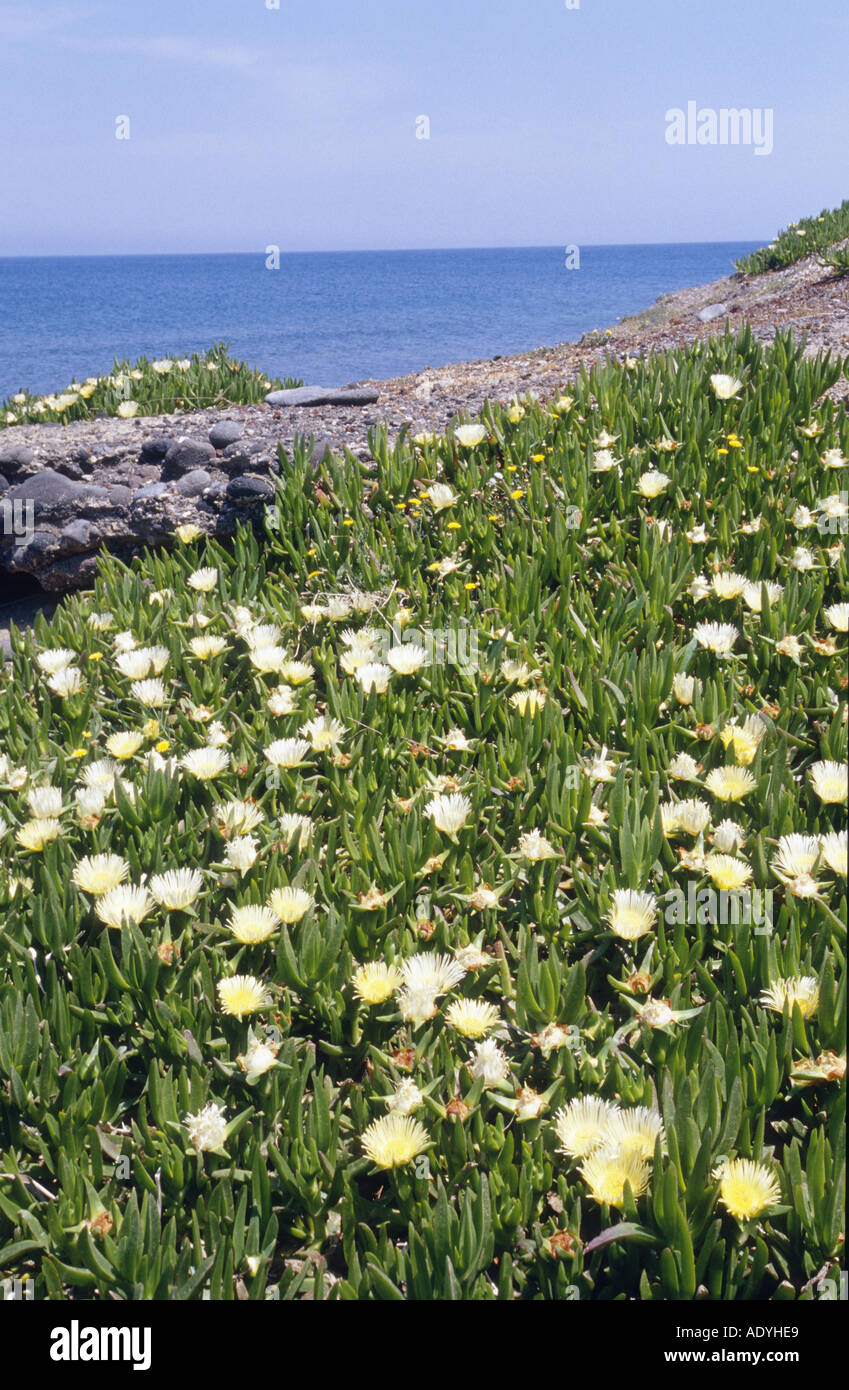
(711,312)
(323,395)
(225,432)
(185,455)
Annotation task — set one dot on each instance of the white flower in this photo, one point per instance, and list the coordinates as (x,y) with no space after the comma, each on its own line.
(725,386)
(417,1004)
(268,658)
(699,589)
(374,675)
(405,1099)
(631,914)
(287,752)
(802,558)
(449,813)
(291,904)
(281,700)
(430,972)
(150,693)
(683,688)
(684,768)
(208,1128)
(176,889)
(68,681)
(752,594)
(692,816)
(604,461)
(90,801)
(45,802)
(440,496)
(652,484)
(100,775)
(407,658)
(728,837)
(206,647)
(206,763)
(126,903)
(455,740)
(135,665)
(717,637)
(241,852)
(488,1063)
(728,584)
(323,733)
(830,781)
(469,436)
(259,1058)
(535,847)
(59,659)
(203,580)
(834,850)
(295,829)
(838,616)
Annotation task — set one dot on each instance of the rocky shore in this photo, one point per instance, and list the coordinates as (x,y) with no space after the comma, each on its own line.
(66,491)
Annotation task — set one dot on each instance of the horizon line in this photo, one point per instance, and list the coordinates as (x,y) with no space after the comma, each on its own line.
(361,251)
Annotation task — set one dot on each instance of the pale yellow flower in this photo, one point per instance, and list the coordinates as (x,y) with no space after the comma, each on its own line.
(747,1188)
(394,1140)
(242,994)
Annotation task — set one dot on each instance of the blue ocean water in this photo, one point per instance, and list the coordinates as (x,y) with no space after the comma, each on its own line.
(328,317)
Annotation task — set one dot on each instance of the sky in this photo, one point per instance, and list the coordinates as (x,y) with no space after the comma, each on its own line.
(253,126)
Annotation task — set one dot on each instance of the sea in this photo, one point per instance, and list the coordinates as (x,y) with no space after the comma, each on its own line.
(328,317)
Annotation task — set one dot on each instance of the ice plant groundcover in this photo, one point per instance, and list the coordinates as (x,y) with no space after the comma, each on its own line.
(440,895)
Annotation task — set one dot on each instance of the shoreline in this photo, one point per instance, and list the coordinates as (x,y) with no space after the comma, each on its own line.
(116,459)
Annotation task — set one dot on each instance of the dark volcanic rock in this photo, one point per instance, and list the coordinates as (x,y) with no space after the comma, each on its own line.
(17,461)
(192,484)
(150,490)
(75,537)
(323,395)
(249,489)
(187,454)
(154,450)
(52,494)
(224,433)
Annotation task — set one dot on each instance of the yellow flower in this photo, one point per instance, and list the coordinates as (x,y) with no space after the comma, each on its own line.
(123,745)
(583,1125)
(608,1169)
(631,914)
(291,904)
(375,982)
(394,1140)
(473,1018)
(636,1131)
(747,1188)
(746,738)
(730,783)
(38,833)
(727,872)
(803,990)
(830,781)
(97,873)
(251,925)
(242,994)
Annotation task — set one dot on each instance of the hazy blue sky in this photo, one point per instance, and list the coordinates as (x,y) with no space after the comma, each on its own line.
(253,126)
